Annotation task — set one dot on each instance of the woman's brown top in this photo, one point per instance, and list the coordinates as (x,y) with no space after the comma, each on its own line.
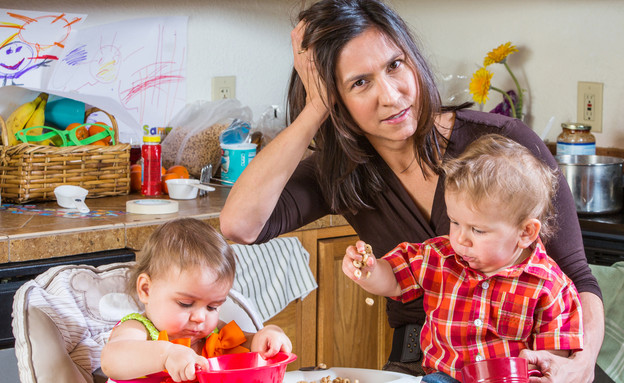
(395,218)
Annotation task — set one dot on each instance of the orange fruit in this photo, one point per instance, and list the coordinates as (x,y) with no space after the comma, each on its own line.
(135,167)
(135,180)
(180,170)
(95,129)
(168,176)
(81,131)
(99,142)
(163,171)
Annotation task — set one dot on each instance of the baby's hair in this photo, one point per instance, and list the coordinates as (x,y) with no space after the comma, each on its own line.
(184,244)
(495,168)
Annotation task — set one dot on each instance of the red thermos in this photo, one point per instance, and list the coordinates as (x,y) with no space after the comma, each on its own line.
(151,170)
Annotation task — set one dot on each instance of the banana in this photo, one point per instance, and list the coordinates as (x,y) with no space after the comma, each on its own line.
(18,119)
(38,119)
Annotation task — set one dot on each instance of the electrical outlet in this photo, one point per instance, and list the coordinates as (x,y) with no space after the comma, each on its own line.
(589,105)
(223,87)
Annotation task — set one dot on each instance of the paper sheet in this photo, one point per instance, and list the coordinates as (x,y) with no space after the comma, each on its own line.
(133,69)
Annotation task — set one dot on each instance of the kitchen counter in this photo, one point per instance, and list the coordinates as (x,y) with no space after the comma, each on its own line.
(27,236)
(603,223)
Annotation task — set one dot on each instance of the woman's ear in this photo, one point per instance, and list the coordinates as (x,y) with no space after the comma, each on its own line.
(530,232)
(143,285)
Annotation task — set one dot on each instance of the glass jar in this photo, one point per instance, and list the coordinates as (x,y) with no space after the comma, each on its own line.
(576,138)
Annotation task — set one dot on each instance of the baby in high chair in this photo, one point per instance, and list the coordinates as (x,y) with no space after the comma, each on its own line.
(184,274)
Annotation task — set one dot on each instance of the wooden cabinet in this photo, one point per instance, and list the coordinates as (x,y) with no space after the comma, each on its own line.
(351,333)
(333,324)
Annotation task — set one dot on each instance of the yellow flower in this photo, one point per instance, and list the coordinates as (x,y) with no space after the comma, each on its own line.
(498,55)
(480,85)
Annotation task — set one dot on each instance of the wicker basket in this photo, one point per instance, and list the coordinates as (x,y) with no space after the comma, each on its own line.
(31,172)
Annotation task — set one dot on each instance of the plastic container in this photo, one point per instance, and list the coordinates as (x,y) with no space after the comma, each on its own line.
(576,139)
(151,173)
(498,370)
(234,368)
(246,367)
(234,159)
(64,111)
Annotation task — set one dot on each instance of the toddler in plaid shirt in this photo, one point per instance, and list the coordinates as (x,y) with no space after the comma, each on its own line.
(490,290)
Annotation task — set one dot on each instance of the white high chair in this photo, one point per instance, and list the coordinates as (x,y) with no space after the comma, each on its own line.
(62,319)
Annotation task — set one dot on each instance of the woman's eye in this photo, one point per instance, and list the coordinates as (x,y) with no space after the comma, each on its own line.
(359,83)
(395,64)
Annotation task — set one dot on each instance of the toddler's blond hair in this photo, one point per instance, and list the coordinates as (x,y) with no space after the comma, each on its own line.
(495,168)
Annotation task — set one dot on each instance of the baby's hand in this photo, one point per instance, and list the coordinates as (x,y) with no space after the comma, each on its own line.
(269,341)
(181,361)
(359,261)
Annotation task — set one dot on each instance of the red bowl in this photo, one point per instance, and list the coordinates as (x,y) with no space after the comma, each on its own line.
(247,367)
(498,370)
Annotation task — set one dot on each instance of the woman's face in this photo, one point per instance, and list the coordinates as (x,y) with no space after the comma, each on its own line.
(378,87)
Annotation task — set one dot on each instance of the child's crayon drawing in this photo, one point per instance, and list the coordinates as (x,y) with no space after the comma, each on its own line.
(140,63)
(134,69)
(30,41)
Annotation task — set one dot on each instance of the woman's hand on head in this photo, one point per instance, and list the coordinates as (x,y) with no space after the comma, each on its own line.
(181,362)
(306,69)
(269,341)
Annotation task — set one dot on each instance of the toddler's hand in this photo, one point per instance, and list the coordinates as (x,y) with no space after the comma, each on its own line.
(269,341)
(181,361)
(357,263)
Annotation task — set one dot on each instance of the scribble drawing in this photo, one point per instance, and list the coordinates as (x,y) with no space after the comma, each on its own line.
(24,50)
(156,86)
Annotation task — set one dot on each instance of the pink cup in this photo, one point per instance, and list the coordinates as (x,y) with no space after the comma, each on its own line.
(498,370)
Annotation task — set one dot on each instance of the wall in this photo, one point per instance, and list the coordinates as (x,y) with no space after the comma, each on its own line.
(561,42)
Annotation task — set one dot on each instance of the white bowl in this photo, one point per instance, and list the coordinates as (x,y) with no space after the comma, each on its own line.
(183,188)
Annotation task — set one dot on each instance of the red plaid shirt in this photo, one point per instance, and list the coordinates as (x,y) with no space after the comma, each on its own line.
(471,316)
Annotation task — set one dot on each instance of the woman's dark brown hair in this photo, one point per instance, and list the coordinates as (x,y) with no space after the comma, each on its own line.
(348,177)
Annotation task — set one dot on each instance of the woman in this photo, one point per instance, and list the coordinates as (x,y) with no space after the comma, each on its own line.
(362,92)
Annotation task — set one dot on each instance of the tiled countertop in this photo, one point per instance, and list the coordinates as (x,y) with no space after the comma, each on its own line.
(33,236)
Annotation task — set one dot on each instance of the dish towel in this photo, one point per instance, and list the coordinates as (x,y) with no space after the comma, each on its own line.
(273,274)
(611,281)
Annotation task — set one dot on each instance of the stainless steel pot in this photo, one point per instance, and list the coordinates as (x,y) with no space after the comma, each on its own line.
(597,182)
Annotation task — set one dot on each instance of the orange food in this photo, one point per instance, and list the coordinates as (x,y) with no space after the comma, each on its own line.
(135,167)
(163,171)
(81,131)
(135,180)
(95,129)
(179,169)
(168,176)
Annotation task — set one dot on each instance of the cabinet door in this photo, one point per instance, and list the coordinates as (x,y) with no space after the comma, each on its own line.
(350,332)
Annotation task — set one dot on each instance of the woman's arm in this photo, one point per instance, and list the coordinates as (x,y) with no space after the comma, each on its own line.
(580,366)
(256,192)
